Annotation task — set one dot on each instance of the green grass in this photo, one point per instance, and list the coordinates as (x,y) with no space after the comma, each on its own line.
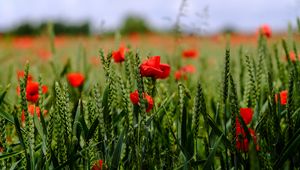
(191,126)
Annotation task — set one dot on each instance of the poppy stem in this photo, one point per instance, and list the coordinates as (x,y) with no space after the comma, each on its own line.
(153,93)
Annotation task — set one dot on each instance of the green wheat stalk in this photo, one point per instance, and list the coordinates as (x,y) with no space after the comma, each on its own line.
(250,85)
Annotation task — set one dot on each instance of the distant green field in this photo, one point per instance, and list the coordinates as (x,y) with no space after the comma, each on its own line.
(150,101)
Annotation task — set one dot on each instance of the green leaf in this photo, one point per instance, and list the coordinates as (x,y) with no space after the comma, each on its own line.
(77,130)
(66,68)
(68,162)
(165,104)
(83,124)
(105,100)
(18,129)
(211,156)
(289,150)
(6,116)
(9,155)
(183,126)
(14,165)
(117,153)
(38,125)
(19,133)
(3,94)
(219,132)
(40,130)
(93,129)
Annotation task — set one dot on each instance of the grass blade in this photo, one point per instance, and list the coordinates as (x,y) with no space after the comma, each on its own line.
(209,161)
(117,152)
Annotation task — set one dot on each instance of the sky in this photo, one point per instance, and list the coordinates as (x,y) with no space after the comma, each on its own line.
(200,16)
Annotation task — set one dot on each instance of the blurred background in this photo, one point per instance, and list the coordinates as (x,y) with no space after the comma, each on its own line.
(205,17)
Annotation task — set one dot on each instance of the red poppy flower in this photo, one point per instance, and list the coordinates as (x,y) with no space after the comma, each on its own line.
(98,165)
(190,53)
(265,30)
(119,56)
(32,91)
(21,75)
(149,102)
(134,97)
(75,79)
(44,89)
(153,68)
(242,142)
(283,97)
(246,114)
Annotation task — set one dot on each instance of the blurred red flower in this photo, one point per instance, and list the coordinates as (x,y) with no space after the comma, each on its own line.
(32,91)
(44,89)
(293,56)
(242,142)
(283,97)
(98,165)
(189,69)
(265,30)
(119,55)
(31,112)
(21,75)
(75,79)
(246,114)
(182,72)
(134,98)
(94,60)
(44,54)
(190,53)
(179,75)
(23,42)
(59,40)
(153,68)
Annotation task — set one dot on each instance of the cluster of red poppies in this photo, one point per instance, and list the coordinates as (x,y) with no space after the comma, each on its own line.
(151,68)
(32,88)
(32,109)
(32,94)
(242,142)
